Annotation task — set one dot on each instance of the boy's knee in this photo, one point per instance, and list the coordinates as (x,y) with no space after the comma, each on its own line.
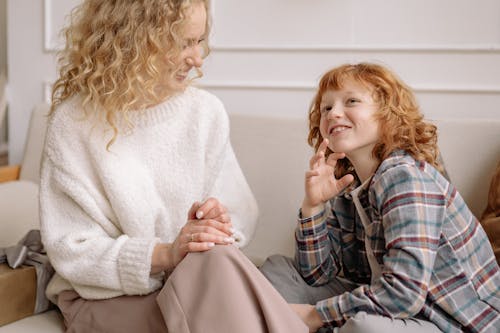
(276,263)
(364,323)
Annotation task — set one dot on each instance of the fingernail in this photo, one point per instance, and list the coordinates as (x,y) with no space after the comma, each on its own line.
(211,244)
(229,240)
(231,230)
(199,214)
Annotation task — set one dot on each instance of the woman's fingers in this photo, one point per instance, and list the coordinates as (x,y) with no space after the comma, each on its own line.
(213,209)
(192,211)
(209,239)
(210,226)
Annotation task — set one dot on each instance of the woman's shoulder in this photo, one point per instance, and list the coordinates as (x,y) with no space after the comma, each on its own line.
(68,126)
(68,113)
(204,97)
(208,107)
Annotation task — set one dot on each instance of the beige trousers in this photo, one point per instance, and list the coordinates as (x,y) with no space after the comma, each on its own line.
(215,291)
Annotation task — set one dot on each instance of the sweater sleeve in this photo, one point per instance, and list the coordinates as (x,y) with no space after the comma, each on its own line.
(412,208)
(85,245)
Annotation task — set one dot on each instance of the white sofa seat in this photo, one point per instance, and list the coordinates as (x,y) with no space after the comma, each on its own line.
(19,210)
(47,322)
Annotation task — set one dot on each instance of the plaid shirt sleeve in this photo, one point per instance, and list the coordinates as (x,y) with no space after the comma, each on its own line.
(411,209)
(316,247)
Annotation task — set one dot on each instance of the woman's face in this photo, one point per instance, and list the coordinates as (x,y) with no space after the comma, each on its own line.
(193,37)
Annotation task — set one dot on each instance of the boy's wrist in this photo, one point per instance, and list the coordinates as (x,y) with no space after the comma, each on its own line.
(308,210)
(314,318)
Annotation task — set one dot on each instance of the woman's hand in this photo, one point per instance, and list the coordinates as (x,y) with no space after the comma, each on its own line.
(320,182)
(201,234)
(210,209)
(309,316)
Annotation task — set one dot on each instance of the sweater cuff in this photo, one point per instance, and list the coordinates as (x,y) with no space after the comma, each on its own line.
(134,265)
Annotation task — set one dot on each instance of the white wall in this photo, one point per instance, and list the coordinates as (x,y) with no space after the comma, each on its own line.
(3,36)
(268,55)
(3,72)
(29,67)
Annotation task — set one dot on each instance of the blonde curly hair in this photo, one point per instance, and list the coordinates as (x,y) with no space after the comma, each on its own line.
(399,117)
(118,52)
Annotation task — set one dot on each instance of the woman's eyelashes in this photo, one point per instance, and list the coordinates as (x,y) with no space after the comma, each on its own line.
(191,43)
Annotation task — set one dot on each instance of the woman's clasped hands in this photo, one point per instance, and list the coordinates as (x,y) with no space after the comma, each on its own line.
(208,224)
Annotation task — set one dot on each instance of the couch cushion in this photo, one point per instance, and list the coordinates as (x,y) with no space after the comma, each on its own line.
(18,210)
(30,169)
(470,149)
(273,154)
(47,322)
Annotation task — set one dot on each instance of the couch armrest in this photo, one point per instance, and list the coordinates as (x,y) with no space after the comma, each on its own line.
(9,173)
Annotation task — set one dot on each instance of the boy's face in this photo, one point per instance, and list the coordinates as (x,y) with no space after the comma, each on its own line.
(347,119)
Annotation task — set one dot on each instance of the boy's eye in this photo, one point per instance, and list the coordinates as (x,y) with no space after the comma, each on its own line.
(352,101)
(326,109)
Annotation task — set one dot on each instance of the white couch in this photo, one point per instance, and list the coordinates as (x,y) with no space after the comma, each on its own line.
(273,154)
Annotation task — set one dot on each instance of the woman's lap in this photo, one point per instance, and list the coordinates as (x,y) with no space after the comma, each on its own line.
(207,292)
(120,314)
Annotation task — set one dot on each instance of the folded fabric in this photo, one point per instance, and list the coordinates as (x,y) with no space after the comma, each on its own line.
(29,252)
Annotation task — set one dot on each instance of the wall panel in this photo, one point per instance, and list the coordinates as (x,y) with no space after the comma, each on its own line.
(268,55)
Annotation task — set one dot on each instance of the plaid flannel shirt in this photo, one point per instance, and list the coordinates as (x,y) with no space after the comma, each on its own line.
(436,260)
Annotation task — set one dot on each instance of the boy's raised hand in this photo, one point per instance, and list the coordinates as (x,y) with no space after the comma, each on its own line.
(320,182)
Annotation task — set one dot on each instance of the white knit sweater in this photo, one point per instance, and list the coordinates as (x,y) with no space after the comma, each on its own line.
(103,211)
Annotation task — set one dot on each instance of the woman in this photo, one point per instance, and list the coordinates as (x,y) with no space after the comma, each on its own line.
(138,170)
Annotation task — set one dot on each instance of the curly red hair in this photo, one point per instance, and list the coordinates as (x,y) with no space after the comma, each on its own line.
(402,125)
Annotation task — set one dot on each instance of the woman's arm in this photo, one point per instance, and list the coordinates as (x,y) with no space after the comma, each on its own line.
(85,246)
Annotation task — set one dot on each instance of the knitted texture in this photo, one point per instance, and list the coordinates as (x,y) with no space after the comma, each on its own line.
(103,211)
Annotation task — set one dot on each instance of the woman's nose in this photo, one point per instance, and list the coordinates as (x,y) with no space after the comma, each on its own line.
(195,57)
